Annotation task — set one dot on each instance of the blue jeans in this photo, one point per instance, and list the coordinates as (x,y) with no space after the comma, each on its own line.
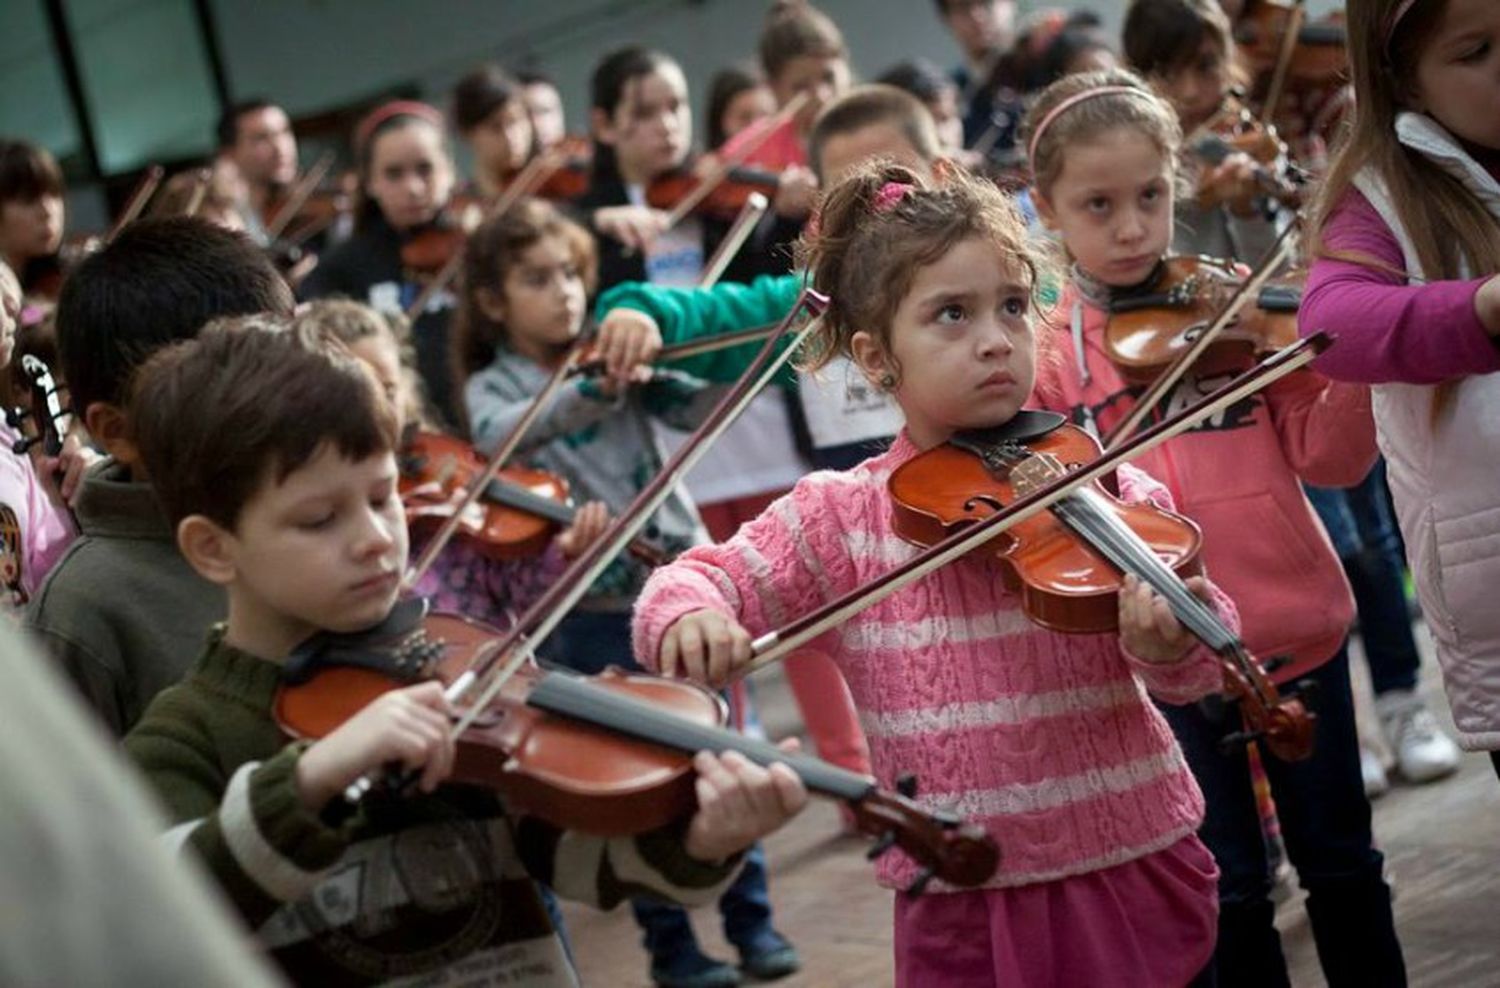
(1325,822)
(589,642)
(1365,536)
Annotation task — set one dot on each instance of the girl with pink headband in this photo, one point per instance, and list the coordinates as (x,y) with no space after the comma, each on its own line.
(1104,169)
(406,178)
(1406,242)
(1045,739)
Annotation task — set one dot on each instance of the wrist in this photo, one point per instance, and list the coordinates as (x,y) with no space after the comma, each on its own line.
(1487,306)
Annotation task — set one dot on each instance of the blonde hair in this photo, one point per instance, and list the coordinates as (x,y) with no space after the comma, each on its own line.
(872,236)
(1140,109)
(348,322)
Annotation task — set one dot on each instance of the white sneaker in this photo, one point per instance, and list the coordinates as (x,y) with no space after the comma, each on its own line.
(1423,751)
(1376,784)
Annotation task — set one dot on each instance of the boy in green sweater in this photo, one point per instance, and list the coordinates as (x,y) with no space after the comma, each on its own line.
(273,453)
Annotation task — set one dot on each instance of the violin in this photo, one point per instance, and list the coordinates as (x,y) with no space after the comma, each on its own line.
(609,755)
(1148,331)
(723,201)
(1319,52)
(1235,129)
(518,514)
(1067,563)
(43,421)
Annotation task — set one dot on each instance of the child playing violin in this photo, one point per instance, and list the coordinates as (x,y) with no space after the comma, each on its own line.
(406,177)
(1045,739)
(34,519)
(1103,156)
(489,112)
(737,98)
(464,579)
(274,454)
(1186,49)
(526,279)
(31,216)
(1406,236)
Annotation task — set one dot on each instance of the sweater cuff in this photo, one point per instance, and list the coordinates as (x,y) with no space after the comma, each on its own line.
(692,882)
(1191,678)
(276,840)
(668,596)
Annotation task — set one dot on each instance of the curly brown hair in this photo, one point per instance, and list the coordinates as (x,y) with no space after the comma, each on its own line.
(864,252)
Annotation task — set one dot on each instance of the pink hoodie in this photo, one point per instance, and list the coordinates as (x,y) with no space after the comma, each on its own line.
(1047,740)
(1237,477)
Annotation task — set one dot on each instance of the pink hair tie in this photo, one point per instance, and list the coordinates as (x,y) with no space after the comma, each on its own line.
(891,193)
(1068,104)
(1402,9)
(395,108)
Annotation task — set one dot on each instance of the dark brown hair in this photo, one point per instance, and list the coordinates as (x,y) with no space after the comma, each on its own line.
(864,254)
(869,105)
(27,172)
(723,88)
(1142,110)
(245,404)
(481,93)
(494,248)
(1162,36)
(795,28)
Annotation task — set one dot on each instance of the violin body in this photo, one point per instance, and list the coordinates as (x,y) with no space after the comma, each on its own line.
(1319,54)
(573,774)
(1064,583)
(1146,333)
(437,469)
(723,202)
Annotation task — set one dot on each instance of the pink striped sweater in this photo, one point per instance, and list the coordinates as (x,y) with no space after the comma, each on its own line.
(1047,740)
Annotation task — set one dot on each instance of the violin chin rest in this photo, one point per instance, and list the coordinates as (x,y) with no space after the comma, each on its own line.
(1027,425)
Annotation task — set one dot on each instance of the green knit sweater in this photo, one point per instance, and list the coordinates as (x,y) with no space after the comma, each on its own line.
(439,883)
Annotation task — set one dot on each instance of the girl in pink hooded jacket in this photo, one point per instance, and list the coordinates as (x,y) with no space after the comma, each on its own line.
(1103,152)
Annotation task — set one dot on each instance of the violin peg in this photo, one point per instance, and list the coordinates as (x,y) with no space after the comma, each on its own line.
(21,446)
(1307,691)
(919,884)
(14,416)
(1230,743)
(906,784)
(1275,662)
(882,844)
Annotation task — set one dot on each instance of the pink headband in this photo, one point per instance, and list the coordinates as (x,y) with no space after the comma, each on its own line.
(1402,9)
(1068,104)
(395,108)
(890,193)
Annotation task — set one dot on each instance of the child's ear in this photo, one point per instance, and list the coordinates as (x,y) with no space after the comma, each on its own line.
(491,303)
(871,358)
(110,428)
(208,548)
(1044,210)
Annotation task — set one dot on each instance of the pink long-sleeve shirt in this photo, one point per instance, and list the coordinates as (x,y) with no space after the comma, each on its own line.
(1389,330)
(1048,741)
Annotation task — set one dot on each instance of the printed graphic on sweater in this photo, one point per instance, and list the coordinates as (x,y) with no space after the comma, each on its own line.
(12,557)
(1189,391)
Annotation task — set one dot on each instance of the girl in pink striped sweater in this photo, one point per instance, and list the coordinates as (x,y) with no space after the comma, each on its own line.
(1049,741)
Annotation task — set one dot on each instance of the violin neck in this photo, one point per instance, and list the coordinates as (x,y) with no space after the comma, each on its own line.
(1085,513)
(515,496)
(577,698)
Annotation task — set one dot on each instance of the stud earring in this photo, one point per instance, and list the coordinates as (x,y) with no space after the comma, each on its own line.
(887,382)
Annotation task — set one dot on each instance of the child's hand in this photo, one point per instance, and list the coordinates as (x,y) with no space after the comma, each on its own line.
(739,803)
(1231,182)
(637,227)
(796,193)
(1148,628)
(704,646)
(627,339)
(408,726)
(62,474)
(589,523)
(612,387)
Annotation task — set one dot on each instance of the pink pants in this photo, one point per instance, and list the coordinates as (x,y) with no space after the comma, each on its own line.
(1148,923)
(816,682)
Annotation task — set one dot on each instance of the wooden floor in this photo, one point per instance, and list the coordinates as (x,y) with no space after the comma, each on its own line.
(1442,843)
